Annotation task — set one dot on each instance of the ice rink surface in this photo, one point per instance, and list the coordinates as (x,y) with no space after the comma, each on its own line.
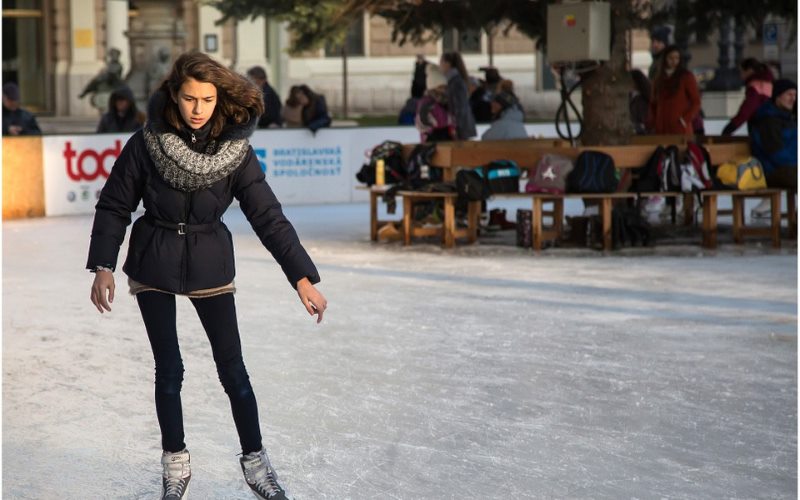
(483,372)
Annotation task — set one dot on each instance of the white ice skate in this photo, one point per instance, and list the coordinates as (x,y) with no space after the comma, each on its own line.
(177,473)
(261,477)
(763,210)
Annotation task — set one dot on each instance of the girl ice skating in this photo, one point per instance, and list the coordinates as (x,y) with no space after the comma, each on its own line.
(187,164)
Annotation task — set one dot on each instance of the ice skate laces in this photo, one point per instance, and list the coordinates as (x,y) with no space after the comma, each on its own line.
(175,474)
(260,475)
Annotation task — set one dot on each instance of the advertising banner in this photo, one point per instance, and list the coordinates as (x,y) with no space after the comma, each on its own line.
(301,167)
(75,169)
(305,169)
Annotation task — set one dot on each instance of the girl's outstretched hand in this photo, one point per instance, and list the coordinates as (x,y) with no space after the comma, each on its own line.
(311,297)
(103,290)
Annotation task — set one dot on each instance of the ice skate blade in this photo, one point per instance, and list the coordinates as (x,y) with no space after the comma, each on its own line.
(259,497)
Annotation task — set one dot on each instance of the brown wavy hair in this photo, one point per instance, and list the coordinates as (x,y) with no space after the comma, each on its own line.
(670,83)
(238,99)
(455,60)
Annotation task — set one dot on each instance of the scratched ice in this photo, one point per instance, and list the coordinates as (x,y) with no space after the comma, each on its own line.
(484,372)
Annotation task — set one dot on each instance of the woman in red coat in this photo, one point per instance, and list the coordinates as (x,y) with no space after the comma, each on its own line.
(676,99)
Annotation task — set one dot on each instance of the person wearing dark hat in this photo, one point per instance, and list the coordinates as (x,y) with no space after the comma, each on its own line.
(773,139)
(659,39)
(481,97)
(122,114)
(508,118)
(17,121)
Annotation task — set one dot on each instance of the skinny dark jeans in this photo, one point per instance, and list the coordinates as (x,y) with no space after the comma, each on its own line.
(218,317)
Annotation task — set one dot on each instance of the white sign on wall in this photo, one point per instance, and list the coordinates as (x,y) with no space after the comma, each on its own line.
(75,170)
(301,168)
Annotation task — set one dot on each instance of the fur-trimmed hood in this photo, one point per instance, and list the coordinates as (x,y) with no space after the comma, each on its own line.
(231,131)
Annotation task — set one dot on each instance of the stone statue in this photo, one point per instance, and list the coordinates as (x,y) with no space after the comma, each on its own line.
(106,81)
(158,69)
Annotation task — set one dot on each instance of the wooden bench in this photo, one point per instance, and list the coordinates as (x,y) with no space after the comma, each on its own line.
(541,233)
(740,230)
(448,230)
(451,156)
(375,224)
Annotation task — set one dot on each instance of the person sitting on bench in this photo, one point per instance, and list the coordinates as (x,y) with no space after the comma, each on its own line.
(773,137)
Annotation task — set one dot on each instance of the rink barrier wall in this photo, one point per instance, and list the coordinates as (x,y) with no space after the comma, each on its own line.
(23,178)
(63,174)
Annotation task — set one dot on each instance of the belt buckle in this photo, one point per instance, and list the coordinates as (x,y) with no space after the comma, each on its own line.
(182,228)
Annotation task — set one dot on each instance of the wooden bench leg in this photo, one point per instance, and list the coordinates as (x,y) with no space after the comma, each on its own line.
(536,223)
(558,216)
(738,217)
(688,209)
(775,211)
(791,210)
(605,213)
(710,221)
(449,223)
(473,214)
(373,216)
(408,209)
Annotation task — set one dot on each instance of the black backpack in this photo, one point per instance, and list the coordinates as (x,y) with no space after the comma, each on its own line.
(669,171)
(419,158)
(646,179)
(471,186)
(391,152)
(594,172)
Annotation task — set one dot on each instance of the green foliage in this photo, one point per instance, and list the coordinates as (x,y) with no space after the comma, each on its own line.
(312,23)
(427,20)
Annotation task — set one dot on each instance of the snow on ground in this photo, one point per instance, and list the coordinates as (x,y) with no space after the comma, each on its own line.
(482,372)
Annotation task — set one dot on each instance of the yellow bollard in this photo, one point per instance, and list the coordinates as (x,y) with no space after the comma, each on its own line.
(380,173)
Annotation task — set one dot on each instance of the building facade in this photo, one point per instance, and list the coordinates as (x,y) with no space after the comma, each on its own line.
(54,48)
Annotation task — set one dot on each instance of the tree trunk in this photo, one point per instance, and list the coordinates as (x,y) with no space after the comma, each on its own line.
(490,42)
(344,80)
(606,115)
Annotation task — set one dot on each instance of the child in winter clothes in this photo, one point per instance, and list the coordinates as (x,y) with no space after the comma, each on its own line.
(434,120)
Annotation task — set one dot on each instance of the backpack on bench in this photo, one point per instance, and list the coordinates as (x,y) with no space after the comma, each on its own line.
(502,176)
(391,152)
(594,172)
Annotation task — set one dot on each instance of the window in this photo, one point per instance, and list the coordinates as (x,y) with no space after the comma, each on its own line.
(465,41)
(354,41)
(23,51)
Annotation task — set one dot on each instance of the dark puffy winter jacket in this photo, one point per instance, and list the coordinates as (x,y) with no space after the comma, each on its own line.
(161,257)
(111,122)
(315,114)
(272,108)
(22,118)
(773,137)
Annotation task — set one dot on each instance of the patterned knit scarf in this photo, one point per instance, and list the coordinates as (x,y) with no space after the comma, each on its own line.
(188,170)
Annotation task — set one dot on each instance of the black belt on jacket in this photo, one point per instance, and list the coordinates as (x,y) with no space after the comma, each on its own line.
(181,227)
